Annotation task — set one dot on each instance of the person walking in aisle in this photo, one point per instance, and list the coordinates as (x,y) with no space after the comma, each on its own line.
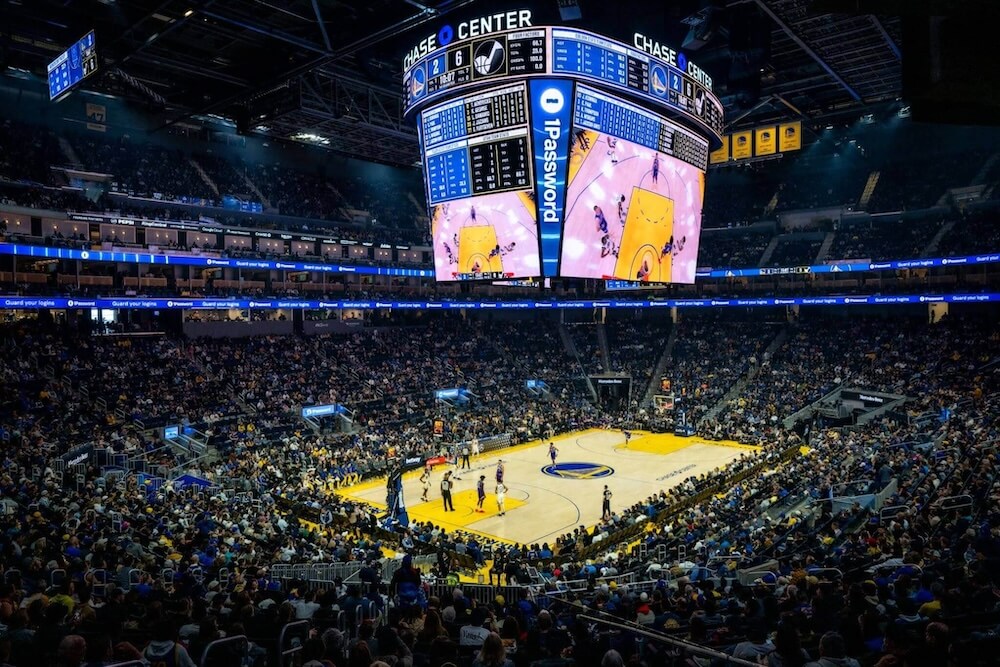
(446,485)
(606,505)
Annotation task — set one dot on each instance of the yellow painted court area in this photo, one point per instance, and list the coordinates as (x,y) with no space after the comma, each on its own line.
(648,226)
(544,502)
(464,515)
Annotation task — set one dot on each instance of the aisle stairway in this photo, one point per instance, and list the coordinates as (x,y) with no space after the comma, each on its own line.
(751,373)
(204,176)
(660,368)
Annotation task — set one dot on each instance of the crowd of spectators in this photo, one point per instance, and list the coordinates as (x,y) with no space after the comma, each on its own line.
(923,567)
(709,356)
(886,241)
(795,251)
(732,249)
(975,233)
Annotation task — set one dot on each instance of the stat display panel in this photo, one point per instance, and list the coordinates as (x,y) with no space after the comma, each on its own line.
(477,162)
(575,54)
(72,66)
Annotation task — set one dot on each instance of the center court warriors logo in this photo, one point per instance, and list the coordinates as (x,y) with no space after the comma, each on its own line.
(578,470)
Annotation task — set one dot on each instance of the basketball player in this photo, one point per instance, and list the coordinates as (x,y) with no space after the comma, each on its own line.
(446,485)
(643,272)
(477,267)
(500,471)
(656,166)
(612,146)
(501,498)
(481,493)
(667,248)
(621,210)
(472,213)
(628,436)
(425,481)
(500,252)
(679,246)
(608,246)
(553,452)
(606,504)
(475,446)
(600,220)
(451,255)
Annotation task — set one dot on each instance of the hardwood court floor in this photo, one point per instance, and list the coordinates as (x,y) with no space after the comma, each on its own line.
(543,504)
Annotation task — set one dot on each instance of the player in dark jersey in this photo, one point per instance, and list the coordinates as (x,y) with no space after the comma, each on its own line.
(600,220)
(500,471)
(667,248)
(481,493)
(448,251)
(621,209)
(500,252)
(472,213)
(656,166)
(553,452)
(477,267)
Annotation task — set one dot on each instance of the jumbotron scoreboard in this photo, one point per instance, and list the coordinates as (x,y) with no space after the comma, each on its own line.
(551,151)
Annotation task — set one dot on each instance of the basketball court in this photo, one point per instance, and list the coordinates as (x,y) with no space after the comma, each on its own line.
(544,502)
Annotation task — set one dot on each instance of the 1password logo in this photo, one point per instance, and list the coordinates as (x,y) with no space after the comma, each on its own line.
(552,100)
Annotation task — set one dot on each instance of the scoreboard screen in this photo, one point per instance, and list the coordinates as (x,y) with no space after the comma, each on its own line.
(551,151)
(72,66)
(634,194)
(477,160)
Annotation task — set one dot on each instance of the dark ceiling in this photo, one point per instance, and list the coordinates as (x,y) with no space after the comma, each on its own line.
(332,69)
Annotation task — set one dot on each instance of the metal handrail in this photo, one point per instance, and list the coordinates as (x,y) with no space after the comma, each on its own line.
(238,639)
(294,625)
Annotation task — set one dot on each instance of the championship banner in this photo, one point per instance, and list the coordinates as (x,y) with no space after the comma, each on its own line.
(742,148)
(720,156)
(790,136)
(765,141)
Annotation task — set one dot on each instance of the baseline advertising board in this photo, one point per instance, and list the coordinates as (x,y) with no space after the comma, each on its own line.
(634,194)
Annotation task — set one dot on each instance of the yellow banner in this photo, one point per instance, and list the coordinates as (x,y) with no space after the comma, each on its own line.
(722,155)
(765,141)
(742,147)
(790,136)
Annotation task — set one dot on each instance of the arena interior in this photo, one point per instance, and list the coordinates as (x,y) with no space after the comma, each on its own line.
(279,388)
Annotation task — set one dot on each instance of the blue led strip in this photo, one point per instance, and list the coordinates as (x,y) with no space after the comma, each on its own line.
(47,252)
(848,266)
(191,260)
(18,302)
(551,104)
